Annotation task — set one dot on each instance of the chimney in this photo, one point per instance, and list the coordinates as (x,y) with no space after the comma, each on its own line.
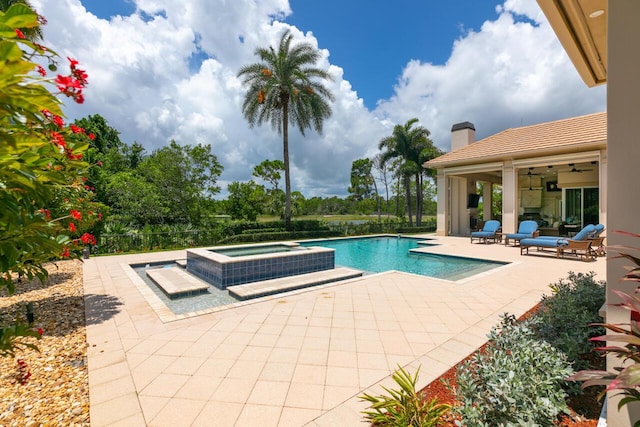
(462,134)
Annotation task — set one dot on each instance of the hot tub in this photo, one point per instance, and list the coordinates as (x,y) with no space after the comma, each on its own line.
(224,266)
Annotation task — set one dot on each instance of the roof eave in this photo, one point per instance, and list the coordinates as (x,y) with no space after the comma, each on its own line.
(519,155)
(566,29)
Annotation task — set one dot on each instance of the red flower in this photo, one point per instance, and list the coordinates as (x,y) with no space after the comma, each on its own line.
(46,213)
(65,253)
(75,214)
(88,239)
(72,227)
(72,62)
(76,129)
(99,163)
(92,136)
(42,71)
(100,215)
(58,121)
(58,139)
(19,33)
(40,331)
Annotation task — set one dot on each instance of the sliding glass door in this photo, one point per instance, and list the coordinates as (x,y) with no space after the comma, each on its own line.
(581,206)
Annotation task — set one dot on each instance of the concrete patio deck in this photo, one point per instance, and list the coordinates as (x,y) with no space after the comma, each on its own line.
(299,358)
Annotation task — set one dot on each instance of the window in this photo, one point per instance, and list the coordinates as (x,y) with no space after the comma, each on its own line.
(581,205)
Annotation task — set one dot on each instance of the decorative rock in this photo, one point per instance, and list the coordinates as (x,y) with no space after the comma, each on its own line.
(58,391)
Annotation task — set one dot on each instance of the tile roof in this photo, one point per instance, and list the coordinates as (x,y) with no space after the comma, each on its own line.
(562,136)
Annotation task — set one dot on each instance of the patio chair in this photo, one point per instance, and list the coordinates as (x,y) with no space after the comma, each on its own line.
(527,229)
(579,245)
(489,232)
(597,241)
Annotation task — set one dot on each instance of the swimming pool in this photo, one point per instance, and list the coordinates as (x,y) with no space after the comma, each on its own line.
(378,254)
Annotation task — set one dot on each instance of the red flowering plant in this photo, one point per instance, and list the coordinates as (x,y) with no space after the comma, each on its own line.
(39,156)
(622,339)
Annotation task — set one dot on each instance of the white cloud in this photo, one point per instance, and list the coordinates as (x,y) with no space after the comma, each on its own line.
(512,72)
(144,81)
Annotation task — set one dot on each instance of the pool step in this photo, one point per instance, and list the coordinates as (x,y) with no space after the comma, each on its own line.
(175,282)
(284,284)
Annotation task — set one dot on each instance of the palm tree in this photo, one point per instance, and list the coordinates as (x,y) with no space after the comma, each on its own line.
(413,147)
(286,86)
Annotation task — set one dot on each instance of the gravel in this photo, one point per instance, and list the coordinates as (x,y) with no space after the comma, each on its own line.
(57,392)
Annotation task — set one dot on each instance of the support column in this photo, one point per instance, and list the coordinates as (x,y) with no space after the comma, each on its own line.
(509,198)
(487,200)
(442,200)
(623,152)
(602,186)
(459,216)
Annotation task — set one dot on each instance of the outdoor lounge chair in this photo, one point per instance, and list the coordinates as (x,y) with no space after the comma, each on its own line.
(579,245)
(489,231)
(526,230)
(597,241)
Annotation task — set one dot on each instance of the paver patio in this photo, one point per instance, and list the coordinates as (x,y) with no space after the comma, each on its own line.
(294,359)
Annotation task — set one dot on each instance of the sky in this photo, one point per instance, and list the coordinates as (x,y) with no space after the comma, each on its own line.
(162,70)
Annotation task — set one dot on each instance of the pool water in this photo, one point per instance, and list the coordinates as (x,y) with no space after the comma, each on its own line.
(378,254)
(255,250)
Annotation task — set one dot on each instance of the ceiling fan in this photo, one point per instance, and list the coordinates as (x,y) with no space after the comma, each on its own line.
(530,173)
(574,169)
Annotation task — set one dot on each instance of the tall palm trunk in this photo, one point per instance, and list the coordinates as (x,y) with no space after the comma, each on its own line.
(407,184)
(378,203)
(419,199)
(287,178)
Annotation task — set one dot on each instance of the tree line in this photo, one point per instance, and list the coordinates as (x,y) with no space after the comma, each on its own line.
(178,184)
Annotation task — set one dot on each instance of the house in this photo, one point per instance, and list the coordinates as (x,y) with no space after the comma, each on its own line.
(554,173)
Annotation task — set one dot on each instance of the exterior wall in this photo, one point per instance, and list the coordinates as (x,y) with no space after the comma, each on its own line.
(623,152)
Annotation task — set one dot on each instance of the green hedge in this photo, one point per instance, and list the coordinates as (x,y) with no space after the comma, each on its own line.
(279,235)
(427,229)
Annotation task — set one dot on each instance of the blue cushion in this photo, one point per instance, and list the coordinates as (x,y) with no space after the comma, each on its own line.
(492,226)
(483,234)
(599,228)
(527,227)
(585,232)
(519,236)
(544,242)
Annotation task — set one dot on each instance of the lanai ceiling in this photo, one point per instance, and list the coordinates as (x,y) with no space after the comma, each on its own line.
(581,27)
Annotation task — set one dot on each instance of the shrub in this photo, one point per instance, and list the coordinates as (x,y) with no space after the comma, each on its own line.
(404,407)
(517,380)
(565,317)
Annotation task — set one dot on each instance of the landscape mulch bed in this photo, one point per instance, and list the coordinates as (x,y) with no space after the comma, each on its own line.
(57,392)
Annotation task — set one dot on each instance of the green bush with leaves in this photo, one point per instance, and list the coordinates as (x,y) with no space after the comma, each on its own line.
(565,317)
(405,406)
(517,380)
